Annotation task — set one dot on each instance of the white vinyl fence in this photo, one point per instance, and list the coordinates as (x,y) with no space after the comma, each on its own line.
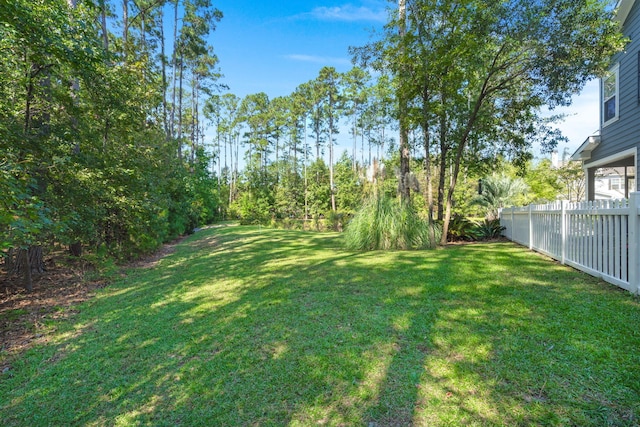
(601,237)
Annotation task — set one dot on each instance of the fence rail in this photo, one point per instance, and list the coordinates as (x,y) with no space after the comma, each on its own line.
(600,237)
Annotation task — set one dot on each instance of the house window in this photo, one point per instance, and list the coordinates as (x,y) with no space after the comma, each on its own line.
(610,101)
(617,183)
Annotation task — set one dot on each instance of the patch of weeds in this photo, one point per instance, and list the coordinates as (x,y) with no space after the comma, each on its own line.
(98,268)
(13,315)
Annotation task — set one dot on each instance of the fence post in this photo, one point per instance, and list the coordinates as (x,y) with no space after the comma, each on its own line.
(634,243)
(530,228)
(513,228)
(563,229)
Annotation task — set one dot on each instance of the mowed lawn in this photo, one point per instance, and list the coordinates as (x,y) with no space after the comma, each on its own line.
(254,326)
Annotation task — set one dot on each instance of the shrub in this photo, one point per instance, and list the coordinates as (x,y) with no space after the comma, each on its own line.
(384,223)
(488,229)
(337,220)
(460,228)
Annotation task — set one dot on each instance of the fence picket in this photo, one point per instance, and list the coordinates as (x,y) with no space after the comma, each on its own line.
(624,248)
(600,242)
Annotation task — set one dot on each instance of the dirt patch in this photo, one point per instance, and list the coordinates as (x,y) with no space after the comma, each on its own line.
(152,260)
(28,318)
(204,243)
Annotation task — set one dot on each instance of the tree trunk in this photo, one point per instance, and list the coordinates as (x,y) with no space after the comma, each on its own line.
(235,167)
(429,181)
(331,184)
(441,181)
(427,168)
(26,267)
(103,20)
(403,184)
(355,139)
(462,143)
(362,145)
(444,152)
(75,249)
(25,262)
(125,25)
(143,33)
(180,109)
(175,73)
(306,180)
(277,156)
(163,61)
(230,168)
(194,112)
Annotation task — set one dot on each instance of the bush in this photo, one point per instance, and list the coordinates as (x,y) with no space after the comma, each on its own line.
(488,229)
(384,223)
(461,228)
(337,220)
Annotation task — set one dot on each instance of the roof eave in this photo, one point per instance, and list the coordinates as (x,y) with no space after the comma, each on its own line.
(622,10)
(584,151)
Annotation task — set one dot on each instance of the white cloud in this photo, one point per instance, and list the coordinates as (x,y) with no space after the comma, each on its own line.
(324,60)
(349,12)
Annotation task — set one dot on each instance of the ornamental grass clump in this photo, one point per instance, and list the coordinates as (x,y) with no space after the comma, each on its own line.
(385,223)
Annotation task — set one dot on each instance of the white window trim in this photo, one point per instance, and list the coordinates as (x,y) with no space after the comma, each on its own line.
(616,183)
(614,70)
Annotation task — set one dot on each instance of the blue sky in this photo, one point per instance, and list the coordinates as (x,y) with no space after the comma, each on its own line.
(583,117)
(273,46)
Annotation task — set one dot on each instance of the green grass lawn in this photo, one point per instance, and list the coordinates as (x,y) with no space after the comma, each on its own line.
(254,326)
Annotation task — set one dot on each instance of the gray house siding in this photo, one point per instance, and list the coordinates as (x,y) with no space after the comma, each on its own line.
(624,133)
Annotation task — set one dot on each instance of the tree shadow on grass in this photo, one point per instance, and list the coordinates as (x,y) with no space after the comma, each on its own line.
(501,348)
(247,326)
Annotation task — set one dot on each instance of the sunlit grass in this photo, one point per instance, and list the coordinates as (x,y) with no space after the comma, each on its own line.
(252,326)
